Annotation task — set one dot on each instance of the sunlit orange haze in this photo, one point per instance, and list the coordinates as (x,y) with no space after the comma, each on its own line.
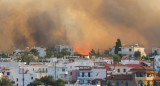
(27,23)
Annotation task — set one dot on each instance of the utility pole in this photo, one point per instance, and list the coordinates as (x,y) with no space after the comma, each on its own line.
(106,76)
(23,76)
(55,70)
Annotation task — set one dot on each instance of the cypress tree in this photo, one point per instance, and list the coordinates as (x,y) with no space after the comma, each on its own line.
(117,47)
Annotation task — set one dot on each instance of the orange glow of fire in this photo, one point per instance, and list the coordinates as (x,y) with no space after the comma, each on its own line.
(83,50)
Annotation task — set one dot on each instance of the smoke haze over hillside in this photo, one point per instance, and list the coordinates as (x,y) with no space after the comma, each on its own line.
(97,23)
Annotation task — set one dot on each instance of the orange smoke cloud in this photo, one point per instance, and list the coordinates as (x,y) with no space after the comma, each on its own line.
(82,49)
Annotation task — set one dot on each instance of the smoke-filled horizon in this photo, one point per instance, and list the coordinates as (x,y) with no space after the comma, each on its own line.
(84,23)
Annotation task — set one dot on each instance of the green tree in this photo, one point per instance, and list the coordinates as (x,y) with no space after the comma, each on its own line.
(137,54)
(98,53)
(28,59)
(4,55)
(117,47)
(106,52)
(92,52)
(58,55)
(34,52)
(60,82)
(5,82)
(35,83)
(65,52)
(47,81)
(116,57)
(49,52)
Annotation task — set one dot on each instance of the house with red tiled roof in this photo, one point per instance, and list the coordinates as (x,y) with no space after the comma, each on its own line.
(103,60)
(145,76)
(117,68)
(140,76)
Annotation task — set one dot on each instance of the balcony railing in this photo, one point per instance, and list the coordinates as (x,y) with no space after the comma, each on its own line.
(63,72)
(88,78)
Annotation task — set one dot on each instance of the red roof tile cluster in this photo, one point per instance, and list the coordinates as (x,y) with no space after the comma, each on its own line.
(116,64)
(157,78)
(133,65)
(142,68)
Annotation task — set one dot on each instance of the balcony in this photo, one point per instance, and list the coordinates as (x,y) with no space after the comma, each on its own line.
(63,72)
(86,78)
(144,78)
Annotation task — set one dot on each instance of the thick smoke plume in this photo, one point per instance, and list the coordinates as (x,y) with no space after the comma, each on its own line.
(97,23)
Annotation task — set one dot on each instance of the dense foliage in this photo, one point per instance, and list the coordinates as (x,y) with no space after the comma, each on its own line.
(47,80)
(5,82)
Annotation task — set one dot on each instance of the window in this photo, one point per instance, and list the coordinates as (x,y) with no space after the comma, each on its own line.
(88,81)
(63,69)
(31,78)
(33,69)
(70,73)
(126,84)
(8,73)
(117,84)
(43,70)
(17,79)
(124,70)
(46,70)
(118,70)
(89,74)
(82,74)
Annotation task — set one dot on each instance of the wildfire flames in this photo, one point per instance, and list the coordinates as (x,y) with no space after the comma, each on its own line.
(82,49)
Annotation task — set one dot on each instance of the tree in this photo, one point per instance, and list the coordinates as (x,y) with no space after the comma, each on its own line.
(65,52)
(47,81)
(28,59)
(116,57)
(60,82)
(49,53)
(34,52)
(35,83)
(117,47)
(137,54)
(5,82)
(106,52)
(4,55)
(92,52)
(98,53)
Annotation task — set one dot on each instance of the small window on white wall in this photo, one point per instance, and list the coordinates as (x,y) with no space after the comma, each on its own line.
(118,70)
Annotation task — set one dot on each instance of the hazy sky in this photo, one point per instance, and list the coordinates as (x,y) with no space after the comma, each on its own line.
(84,23)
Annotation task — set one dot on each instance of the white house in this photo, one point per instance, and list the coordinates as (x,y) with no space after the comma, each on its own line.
(156,51)
(59,48)
(42,51)
(156,62)
(29,73)
(58,71)
(130,50)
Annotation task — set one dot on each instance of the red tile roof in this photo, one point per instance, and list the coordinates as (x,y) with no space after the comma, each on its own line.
(142,68)
(116,64)
(157,78)
(133,65)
